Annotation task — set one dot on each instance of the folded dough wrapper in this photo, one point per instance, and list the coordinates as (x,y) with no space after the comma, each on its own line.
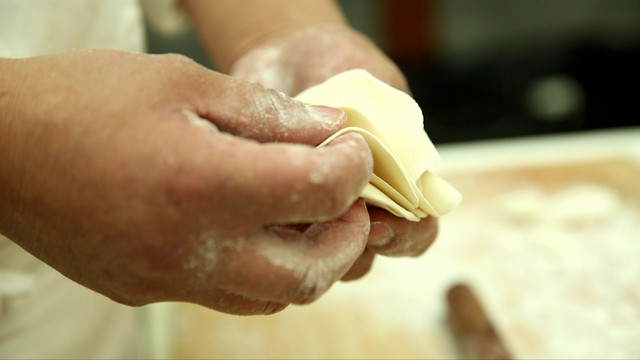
(391,123)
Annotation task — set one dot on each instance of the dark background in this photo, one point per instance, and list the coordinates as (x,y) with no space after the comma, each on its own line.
(500,68)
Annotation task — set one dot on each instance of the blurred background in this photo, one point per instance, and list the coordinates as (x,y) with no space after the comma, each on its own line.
(500,68)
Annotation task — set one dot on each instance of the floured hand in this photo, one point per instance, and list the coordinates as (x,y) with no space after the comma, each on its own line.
(131,175)
(308,57)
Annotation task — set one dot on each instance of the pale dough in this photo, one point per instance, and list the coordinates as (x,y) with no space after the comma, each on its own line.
(391,123)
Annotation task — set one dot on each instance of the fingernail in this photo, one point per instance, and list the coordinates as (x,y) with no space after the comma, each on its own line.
(380,234)
(328,116)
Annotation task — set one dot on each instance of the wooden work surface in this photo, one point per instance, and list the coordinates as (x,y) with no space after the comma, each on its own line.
(549,240)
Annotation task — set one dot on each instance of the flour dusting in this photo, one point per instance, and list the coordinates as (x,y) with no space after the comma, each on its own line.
(318,174)
(267,68)
(208,245)
(316,274)
(272,115)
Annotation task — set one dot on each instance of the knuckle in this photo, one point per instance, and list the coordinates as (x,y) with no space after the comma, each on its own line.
(264,101)
(267,106)
(275,106)
(278,102)
(282,112)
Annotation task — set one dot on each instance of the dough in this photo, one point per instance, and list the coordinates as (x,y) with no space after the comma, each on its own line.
(391,123)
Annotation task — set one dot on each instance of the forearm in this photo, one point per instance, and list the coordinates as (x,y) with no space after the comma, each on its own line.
(9,149)
(27,127)
(230,28)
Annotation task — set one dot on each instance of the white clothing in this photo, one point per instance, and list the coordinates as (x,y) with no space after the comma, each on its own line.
(42,313)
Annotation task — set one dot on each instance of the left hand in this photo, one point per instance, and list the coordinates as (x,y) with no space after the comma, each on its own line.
(304,58)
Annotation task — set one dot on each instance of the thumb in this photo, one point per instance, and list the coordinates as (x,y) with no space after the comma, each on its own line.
(250,110)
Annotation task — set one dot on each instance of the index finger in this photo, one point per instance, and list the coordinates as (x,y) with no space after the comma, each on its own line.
(289,183)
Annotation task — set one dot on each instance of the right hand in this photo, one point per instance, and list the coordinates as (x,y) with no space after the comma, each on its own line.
(132,175)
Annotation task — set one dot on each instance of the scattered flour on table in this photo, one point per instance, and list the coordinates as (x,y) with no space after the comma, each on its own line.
(559,270)
(555,287)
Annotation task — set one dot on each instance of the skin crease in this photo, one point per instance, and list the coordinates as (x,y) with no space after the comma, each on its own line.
(309,57)
(144,200)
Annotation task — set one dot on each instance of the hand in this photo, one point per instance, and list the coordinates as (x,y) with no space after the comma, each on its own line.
(307,57)
(124,172)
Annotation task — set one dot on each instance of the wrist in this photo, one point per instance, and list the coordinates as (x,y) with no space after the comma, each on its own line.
(11,89)
(229,29)
(294,61)
(272,37)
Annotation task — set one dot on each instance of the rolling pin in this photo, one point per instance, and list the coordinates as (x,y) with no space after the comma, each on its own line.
(471,327)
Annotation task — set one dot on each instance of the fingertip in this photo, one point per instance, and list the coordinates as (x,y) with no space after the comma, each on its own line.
(354,143)
(409,238)
(329,118)
(360,267)
(304,184)
(380,234)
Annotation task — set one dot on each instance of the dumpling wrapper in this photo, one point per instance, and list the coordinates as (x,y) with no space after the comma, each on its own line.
(392,125)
